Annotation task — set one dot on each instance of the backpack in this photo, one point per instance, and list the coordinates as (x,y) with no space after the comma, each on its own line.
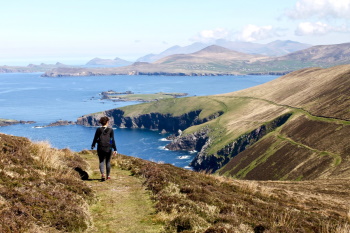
(104,141)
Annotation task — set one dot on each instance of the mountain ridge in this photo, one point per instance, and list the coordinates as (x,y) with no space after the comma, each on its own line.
(274,48)
(217,64)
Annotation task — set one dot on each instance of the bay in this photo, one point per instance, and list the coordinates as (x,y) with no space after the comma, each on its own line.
(31,97)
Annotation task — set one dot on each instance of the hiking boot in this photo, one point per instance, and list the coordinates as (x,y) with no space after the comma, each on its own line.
(103,178)
(108,178)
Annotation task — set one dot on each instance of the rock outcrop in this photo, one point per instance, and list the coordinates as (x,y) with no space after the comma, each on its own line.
(190,142)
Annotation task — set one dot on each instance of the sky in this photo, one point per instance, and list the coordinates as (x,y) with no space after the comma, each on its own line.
(75,31)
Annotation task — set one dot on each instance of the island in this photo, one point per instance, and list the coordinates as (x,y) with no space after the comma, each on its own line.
(7,122)
(57,123)
(131,96)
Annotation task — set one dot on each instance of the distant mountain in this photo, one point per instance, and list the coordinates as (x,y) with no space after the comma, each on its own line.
(211,54)
(283,47)
(275,48)
(217,60)
(108,62)
(323,54)
(173,50)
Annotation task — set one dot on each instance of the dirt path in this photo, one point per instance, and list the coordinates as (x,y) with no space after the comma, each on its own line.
(123,204)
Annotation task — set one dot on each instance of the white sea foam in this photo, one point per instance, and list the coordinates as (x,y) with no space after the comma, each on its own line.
(164,140)
(193,151)
(184,157)
(162,148)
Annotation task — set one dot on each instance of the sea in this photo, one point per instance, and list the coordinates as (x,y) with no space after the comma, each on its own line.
(30,97)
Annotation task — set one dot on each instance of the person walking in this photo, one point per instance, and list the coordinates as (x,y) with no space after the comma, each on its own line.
(104,137)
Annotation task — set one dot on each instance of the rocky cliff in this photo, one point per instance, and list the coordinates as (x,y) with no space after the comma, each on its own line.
(196,141)
(200,141)
(154,121)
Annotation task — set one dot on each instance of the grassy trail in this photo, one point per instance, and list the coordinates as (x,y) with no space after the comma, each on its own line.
(123,203)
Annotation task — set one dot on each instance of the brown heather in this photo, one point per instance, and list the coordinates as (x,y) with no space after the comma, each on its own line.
(39,190)
(188,201)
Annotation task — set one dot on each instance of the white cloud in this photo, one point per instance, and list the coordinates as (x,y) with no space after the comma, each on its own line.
(318,28)
(252,33)
(320,8)
(207,36)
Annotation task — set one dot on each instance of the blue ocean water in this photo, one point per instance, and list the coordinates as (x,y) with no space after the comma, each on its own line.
(31,97)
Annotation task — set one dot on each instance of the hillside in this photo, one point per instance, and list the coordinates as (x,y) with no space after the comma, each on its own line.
(322,54)
(40,192)
(302,118)
(195,202)
(217,60)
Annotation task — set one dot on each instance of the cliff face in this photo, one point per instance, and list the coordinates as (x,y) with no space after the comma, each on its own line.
(210,162)
(196,141)
(154,121)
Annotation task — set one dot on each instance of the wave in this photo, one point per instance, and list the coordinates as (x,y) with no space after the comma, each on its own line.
(164,140)
(184,157)
(162,148)
(193,151)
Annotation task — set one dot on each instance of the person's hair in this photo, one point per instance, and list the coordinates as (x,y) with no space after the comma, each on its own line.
(104,120)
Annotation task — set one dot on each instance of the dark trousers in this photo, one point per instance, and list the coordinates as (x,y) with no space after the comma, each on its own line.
(105,158)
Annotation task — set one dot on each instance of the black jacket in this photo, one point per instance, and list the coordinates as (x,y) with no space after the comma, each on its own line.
(98,133)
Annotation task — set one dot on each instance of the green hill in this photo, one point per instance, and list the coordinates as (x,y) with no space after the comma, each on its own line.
(295,127)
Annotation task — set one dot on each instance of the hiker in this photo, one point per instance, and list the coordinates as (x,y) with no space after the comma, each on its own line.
(104,137)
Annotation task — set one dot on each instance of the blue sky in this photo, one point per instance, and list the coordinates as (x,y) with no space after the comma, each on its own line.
(75,31)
